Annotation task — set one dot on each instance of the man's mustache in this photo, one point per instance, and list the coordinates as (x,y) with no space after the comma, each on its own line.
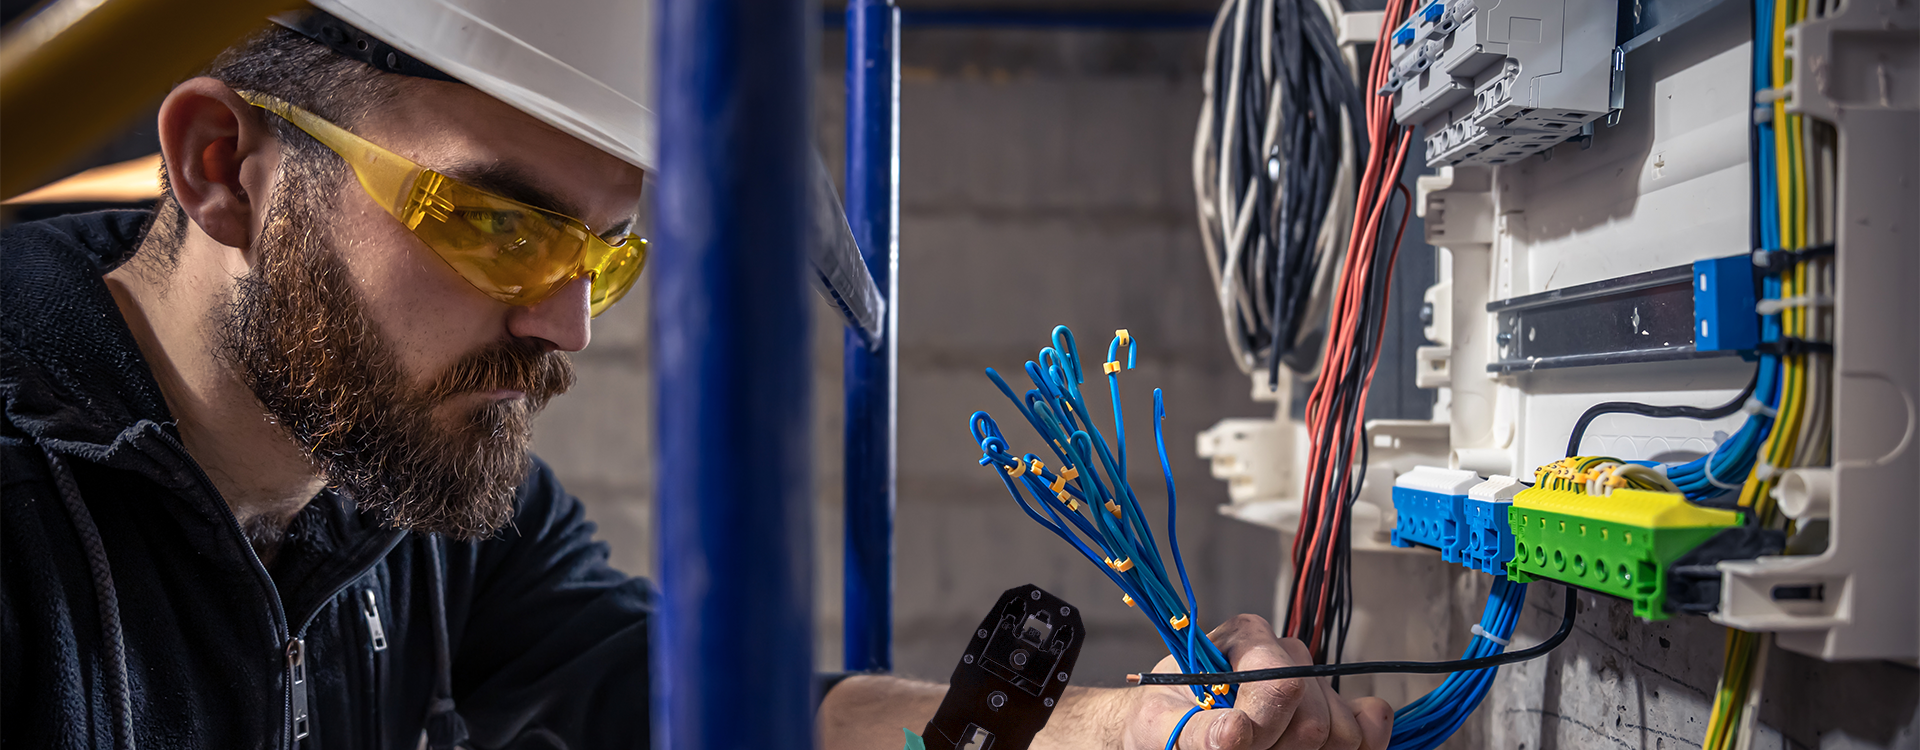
(518,365)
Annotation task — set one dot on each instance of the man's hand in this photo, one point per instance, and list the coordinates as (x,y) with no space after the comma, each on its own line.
(866,712)
(1282,715)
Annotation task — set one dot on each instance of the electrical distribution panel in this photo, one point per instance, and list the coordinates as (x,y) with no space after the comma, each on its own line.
(1495,81)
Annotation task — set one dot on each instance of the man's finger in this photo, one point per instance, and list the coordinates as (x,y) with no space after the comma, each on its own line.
(1218,729)
(1248,643)
(1376,722)
(1312,724)
(1343,727)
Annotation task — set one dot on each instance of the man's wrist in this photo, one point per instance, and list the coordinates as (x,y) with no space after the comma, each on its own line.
(1087,718)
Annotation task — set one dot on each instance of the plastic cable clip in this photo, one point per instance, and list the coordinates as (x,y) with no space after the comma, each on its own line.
(1128,598)
(1482,632)
(1038,466)
(1206,703)
(1775,306)
(1220,689)
(1017,470)
(1124,337)
(1112,367)
(1765,471)
(1122,566)
(1060,481)
(1753,406)
(1179,623)
(1113,508)
(1068,500)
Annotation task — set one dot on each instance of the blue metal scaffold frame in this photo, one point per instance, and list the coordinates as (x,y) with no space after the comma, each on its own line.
(732,646)
(873,212)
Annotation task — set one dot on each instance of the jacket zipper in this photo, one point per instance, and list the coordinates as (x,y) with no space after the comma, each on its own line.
(375,631)
(298,718)
(297,686)
(377,643)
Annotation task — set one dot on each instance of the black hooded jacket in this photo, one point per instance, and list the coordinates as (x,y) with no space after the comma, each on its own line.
(135,614)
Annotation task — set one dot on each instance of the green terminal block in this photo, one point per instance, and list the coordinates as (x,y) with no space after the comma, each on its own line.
(1618,544)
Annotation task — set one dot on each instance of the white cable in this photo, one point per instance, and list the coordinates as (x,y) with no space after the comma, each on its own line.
(1775,305)
(1483,633)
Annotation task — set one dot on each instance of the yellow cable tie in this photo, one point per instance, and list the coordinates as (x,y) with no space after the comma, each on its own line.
(1179,623)
(1128,598)
(1121,566)
(1114,509)
(1112,367)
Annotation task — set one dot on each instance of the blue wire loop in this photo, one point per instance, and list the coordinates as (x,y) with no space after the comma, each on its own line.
(1105,521)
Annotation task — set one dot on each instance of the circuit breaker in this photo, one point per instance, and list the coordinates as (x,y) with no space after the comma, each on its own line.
(1495,81)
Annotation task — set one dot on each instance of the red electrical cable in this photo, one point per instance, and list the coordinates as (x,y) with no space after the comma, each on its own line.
(1335,409)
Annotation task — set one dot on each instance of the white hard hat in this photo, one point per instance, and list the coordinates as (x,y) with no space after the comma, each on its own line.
(583,66)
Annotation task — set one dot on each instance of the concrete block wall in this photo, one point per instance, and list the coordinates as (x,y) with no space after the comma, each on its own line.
(1045,181)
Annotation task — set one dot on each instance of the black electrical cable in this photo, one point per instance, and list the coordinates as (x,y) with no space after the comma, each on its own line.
(1657,412)
(1370,667)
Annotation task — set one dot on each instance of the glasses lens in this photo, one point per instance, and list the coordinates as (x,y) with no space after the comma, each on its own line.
(515,253)
(615,272)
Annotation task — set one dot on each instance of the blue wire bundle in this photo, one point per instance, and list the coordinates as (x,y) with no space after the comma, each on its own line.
(1429,721)
(1101,518)
(1727,466)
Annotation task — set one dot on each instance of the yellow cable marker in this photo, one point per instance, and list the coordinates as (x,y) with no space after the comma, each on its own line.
(1125,338)
(1017,470)
(1206,705)
(1069,501)
(1114,509)
(1178,623)
(1112,367)
(1060,482)
(1121,566)
(1220,690)
(1128,598)
(1038,467)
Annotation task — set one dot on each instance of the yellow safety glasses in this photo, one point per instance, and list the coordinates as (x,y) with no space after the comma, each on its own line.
(516,253)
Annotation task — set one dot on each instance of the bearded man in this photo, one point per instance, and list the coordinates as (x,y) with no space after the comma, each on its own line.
(266,467)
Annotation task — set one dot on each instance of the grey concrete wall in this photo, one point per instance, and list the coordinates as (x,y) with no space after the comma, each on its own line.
(1044,181)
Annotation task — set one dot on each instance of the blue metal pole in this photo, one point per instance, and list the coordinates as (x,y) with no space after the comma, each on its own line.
(733,637)
(873,211)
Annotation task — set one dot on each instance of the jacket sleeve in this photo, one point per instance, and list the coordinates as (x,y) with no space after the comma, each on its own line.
(550,641)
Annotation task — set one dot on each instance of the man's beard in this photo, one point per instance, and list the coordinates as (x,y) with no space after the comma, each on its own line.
(298,334)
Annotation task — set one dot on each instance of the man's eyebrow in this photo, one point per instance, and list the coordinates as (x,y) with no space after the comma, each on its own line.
(509,182)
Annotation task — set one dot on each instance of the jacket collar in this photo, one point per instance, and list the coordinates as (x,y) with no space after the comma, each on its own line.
(71,374)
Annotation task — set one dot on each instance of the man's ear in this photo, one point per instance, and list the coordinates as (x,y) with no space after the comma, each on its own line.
(221,159)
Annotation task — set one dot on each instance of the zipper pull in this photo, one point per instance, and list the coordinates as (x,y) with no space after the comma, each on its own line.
(372,611)
(297,685)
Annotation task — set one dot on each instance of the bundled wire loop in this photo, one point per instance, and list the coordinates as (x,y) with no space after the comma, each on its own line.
(1113,532)
(1273,163)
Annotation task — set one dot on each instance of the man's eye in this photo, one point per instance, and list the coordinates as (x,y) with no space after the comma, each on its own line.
(493,222)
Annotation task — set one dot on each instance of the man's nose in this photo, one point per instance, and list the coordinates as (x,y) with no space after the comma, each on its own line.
(562,320)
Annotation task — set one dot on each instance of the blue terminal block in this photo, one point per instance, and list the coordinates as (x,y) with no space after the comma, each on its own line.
(1489,544)
(1723,305)
(1429,505)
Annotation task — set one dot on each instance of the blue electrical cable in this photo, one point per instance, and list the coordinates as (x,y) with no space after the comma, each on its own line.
(1101,515)
(1174,738)
(1429,721)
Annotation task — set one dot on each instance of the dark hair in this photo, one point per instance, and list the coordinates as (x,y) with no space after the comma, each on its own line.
(285,64)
